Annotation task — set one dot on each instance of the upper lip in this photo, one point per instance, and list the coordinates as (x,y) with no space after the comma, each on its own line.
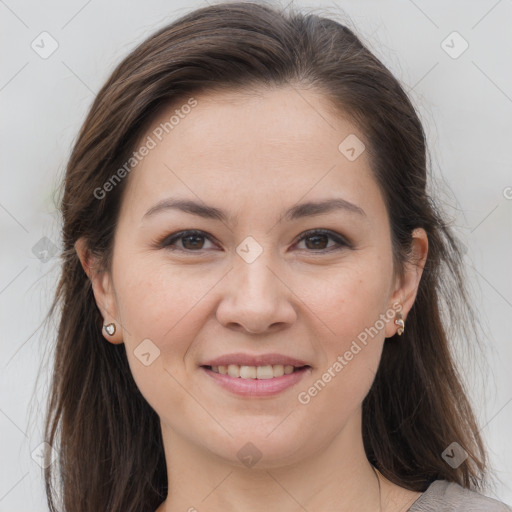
(254,360)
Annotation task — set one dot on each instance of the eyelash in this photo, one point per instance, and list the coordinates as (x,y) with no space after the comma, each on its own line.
(168,241)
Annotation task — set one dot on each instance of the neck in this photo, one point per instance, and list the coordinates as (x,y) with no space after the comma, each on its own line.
(338,477)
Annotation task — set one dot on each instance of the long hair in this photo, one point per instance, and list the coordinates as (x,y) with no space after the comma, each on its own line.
(107,436)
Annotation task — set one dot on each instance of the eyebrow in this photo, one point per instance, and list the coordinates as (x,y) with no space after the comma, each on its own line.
(308,209)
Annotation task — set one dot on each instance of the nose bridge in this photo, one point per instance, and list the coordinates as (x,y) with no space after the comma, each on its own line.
(257,299)
(254,279)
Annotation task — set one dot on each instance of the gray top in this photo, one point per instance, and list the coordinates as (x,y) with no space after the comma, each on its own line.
(443,496)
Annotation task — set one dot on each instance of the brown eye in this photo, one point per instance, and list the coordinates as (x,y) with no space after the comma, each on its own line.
(192,241)
(318,240)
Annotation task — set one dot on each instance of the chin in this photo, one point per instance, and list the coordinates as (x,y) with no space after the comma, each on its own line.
(254,448)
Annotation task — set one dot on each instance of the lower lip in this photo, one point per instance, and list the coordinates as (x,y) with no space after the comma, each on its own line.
(257,387)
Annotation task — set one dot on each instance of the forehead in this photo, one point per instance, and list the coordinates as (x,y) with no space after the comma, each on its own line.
(281,119)
(260,145)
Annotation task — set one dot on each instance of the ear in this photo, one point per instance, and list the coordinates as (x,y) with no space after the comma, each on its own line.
(406,287)
(103,290)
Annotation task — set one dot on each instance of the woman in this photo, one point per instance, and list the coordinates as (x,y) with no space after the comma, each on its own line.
(252,284)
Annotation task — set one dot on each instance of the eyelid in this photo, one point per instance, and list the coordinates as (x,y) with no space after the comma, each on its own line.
(338,238)
(165,242)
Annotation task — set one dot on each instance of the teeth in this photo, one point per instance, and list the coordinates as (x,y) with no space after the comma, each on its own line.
(262,372)
(254,372)
(248,372)
(233,370)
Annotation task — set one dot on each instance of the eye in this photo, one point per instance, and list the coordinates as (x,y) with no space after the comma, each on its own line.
(317,240)
(190,241)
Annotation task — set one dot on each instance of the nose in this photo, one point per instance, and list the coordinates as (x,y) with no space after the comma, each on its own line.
(256,299)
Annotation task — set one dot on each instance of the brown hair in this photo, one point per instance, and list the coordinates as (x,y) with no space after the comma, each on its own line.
(108,437)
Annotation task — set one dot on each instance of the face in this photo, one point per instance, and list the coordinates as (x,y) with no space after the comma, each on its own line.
(265,278)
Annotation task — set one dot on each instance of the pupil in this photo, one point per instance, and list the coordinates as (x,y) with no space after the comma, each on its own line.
(194,245)
(315,245)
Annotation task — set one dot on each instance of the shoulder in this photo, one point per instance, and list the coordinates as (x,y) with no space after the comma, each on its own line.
(443,496)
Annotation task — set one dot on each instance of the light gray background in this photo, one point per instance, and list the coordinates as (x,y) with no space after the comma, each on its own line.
(466,106)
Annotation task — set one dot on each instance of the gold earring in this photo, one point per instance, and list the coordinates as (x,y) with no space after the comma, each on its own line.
(110,329)
(399,320)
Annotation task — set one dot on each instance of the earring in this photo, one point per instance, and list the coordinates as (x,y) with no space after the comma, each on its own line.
(399,320)
(110,329)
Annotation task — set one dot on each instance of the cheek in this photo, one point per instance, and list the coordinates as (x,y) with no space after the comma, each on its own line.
(172,320)
(353,300)
(159,311)
(354,308)
(157,298)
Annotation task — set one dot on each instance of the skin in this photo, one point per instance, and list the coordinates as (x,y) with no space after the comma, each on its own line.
(256,154)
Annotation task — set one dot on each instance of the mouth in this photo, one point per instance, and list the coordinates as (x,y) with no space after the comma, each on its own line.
(256,372)
(255,382)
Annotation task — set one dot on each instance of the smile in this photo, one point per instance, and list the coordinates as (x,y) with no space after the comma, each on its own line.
(256,381)
(255,372)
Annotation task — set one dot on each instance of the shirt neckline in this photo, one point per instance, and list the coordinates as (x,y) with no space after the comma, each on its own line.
(419,500)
